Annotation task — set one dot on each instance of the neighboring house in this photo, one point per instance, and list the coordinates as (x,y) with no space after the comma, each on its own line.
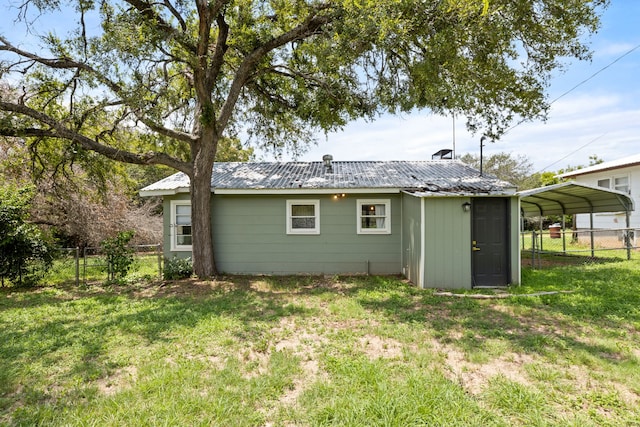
(622,175)
(439,223)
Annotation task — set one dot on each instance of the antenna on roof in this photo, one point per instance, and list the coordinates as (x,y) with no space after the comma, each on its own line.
(445,102)
(482,140)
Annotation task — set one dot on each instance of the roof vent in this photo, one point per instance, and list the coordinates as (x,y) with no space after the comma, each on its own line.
(445,154)
(327,159)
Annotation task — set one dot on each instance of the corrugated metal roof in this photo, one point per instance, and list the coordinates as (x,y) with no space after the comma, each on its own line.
(432,176)
(572,198)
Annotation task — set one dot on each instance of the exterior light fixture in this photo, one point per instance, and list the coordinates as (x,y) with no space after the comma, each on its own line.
(466,206)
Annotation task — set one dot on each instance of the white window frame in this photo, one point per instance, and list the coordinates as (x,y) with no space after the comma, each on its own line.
(316,211)
(173,227)
(616,187)
(601,181)
(387,216)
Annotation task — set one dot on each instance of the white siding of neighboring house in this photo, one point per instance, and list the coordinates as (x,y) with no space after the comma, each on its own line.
(613,219)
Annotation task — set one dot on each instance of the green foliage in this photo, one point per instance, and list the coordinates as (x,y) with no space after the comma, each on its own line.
(25,253)
(177,268)
(118,254)
(506,166)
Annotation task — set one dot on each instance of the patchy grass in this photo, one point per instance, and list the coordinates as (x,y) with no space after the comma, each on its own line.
(315,351)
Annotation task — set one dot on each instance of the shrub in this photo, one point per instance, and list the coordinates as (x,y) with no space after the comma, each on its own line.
(119,255)
(25,253)
(177,268)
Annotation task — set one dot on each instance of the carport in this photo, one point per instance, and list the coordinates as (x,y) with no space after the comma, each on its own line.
(570,198)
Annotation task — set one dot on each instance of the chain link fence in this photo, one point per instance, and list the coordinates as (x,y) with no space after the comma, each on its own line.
(75,265)
(556,246)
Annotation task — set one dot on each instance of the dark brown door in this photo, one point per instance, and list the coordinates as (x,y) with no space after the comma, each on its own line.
(490,236)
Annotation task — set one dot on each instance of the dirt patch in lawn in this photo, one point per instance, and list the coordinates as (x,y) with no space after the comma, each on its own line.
(474,377)
(118,381)
(375,347)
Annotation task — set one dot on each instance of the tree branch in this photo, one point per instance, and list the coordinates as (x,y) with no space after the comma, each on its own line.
(69,64)
(147,11)
(307,28)
(57,130)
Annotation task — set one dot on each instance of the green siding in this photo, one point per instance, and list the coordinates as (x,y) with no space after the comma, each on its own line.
(447,244)
(250,237)
(411,237)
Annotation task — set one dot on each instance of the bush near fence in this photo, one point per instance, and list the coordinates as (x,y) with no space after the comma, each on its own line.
(75,265)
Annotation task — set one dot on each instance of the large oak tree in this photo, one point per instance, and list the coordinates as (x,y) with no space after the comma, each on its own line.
(189,73)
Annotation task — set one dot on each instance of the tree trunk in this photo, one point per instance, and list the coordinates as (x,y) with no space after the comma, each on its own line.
(202,232)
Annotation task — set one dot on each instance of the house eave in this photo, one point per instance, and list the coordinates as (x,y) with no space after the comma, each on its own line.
(163,192)
(285,191)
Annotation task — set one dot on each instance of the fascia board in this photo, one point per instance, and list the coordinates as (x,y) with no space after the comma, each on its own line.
(303,191)
(163,192)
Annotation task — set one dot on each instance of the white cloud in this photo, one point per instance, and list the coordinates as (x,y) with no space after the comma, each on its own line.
(577,128)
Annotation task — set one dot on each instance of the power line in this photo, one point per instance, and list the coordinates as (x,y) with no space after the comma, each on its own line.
(571,90)
(596,73)
(572,153)
(581,83)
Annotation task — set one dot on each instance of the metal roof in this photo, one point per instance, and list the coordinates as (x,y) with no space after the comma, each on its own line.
(624,162)
(436,176)
(572,198)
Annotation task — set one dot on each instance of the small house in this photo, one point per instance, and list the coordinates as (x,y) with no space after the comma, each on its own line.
(440,223)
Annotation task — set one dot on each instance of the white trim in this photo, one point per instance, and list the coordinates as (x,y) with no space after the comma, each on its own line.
(301,191)
(423,243)
(165,192)
(172,227)
(316,213)
(387,216)
(617,177)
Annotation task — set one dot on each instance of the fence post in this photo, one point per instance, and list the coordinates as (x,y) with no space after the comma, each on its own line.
(159,253)
(540,248)
(77,266)
(84,265)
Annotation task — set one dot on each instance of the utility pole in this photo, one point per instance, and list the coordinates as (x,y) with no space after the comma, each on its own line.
(482,140)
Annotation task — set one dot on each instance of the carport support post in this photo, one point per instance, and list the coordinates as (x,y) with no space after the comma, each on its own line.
(628,239)
(533,249)
(564,237)
(591,233)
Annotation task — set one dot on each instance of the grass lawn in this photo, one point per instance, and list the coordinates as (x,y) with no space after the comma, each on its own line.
(348,351)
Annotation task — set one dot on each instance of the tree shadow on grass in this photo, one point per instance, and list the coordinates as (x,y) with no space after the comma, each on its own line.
(82,320)
(65,336)
(546,325)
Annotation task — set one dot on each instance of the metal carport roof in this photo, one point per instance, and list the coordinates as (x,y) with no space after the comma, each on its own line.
(572,198)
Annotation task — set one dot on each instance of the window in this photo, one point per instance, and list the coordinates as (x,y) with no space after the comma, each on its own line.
(621,184)
(303,217)
(180,225)
(604,183)
(374,216)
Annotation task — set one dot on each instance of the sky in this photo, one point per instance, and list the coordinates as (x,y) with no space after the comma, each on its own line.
(600,117)
(597,112)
